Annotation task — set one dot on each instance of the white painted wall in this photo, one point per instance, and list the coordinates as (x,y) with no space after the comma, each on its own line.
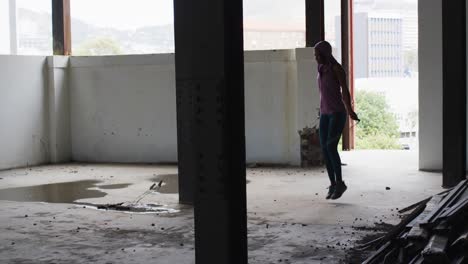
(430,85)
(308,98)
(268,111)
(24,136)
(123,109)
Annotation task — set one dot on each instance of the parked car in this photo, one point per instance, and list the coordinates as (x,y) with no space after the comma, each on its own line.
(405,146)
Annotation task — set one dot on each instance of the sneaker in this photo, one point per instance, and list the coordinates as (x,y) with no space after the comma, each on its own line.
(331,190)
(339,190)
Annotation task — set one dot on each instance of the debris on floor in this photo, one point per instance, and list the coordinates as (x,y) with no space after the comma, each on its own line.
(311,153)
(135,208)
(436,231)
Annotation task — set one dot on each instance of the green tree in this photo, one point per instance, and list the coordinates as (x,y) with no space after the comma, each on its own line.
(378,128)
(98,46)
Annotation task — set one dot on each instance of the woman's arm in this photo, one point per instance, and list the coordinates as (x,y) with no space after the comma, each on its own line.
(341,75)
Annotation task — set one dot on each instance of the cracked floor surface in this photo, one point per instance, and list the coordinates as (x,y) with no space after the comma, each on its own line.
(289,221)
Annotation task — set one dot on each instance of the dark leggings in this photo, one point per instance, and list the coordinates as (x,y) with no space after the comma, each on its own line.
(331,128)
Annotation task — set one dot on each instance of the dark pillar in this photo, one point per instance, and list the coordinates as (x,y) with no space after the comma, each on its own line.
(61,27)
(454,91)
(210,113)
(315,22)
(347,63)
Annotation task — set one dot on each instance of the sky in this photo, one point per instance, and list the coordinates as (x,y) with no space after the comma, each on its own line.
(131,14)
(4,31)
(128,14)
(123,14)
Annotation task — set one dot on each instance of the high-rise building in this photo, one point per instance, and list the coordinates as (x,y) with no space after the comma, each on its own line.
(407,9)
(378,45)
(410,31)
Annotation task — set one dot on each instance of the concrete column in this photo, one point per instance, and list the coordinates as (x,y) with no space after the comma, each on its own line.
(315,22)
(13,28)
(430,84)
(454,91)
(210,125)
(59,109)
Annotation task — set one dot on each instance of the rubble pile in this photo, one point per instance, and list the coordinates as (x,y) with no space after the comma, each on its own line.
(311,153)
(436,231)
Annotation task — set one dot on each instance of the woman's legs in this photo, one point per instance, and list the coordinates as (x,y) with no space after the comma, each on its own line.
(336,125)
(331,128)
(324,132)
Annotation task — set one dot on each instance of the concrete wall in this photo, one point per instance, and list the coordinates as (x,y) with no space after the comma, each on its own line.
(24,135)
(123,108)
(269,113)
(430,85)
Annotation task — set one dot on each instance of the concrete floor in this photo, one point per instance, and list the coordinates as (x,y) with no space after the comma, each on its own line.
(289,219)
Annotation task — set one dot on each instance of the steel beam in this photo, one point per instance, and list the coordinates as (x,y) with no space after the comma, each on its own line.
(210,125)
(454,91)
(61,27)
(347,63)
(315,22)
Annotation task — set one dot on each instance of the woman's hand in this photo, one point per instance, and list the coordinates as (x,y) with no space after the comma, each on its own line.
(354,116)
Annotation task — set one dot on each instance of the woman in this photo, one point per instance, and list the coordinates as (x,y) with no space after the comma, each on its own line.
(335,104)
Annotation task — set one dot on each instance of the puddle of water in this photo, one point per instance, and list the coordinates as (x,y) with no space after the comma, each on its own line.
(70,192)
(166,183)
(64,192)
(114,186)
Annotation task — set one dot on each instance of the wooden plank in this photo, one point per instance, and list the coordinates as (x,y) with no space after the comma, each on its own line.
(410,251)
(457,208)
(371,243)
(379,254)
(451,196)
(417,260)
(398,229)
(460,260)
(409,208)
(418,234)
(431,205)
(461,243)
(435,252)
(392,256)
(442,228)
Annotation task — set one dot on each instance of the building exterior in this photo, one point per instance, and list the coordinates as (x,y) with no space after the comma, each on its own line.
(378,45)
